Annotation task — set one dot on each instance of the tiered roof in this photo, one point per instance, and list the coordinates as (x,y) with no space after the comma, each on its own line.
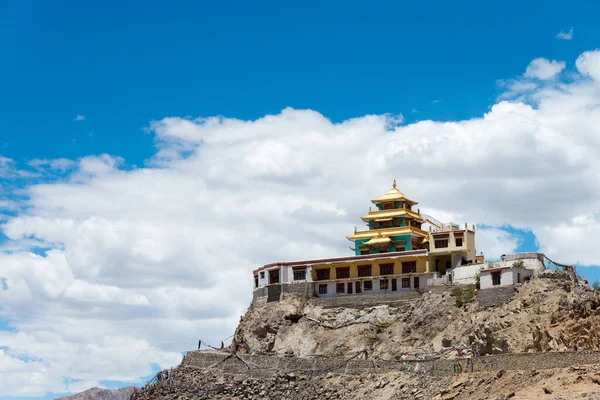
(382,236)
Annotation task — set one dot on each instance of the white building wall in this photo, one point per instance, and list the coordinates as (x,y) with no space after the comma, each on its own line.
(465,274)
(485,281)
(507,277)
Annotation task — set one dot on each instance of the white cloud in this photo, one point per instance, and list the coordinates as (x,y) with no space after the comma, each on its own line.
(568,35)
(588,63)
(495,242)
(541,68)
(143,262)
(79,117)
(58,164)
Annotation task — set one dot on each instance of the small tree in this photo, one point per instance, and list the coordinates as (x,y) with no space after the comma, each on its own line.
(477,281)
(518,264)
(596,286)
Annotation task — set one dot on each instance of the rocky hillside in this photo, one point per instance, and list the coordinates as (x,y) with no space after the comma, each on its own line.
(548,313)
(189,383)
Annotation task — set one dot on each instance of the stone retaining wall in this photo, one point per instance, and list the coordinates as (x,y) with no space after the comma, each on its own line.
(495,296)
(368,300)
(257,365)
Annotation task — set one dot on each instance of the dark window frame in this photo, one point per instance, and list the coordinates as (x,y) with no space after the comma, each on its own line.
(369,284)
(300,275)
(342,273)
(383,284)
(405,283)
(386,269)
(496,278)
(365,271)
(409,266)
(441,243)
(323,274)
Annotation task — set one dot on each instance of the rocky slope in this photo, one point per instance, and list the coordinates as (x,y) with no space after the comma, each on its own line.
(566,384)
(549,313)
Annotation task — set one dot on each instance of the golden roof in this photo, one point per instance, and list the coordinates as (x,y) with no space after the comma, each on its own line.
(396,212)
(378,240)
(394,231)
(393,194)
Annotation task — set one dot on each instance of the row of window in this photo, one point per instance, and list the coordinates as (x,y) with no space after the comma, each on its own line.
(366,270)
(367,286)
(443,243)
(341,273)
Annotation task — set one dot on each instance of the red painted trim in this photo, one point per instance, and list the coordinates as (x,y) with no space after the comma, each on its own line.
(366,257)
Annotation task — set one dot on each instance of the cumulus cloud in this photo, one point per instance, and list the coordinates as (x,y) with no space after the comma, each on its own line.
(542,68)
(588,63)
(568,35)
(130,266)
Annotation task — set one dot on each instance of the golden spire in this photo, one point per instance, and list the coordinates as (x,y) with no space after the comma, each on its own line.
(394,185)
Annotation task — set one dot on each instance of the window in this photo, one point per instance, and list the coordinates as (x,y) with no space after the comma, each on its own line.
(322,274)
(255,281)
(406,283)
(364,270)
(368,285)
(459,242)
(274,277)
(350,287)
(409,266)
(341,273)
(386,269)
(340,288)
(383,284)
(394,285)
(358,287)
(300,275)
(322,289)
(496,278)
(262,275)
(441,243)
(416,284)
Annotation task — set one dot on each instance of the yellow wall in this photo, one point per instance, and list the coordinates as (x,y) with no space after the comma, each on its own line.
(471,246)
(422,265)
(468,245)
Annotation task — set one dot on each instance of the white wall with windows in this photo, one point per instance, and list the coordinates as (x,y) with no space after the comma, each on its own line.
(499,277)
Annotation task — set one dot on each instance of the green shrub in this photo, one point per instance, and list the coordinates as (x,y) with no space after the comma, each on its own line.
(596,286)
(380,327)
(477,281)
(518,264)
(463,295)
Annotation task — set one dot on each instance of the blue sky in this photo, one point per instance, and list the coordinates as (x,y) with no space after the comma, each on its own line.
(124,65)
(80,80)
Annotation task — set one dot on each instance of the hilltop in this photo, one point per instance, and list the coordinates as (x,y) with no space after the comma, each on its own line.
(548,313)
(414,345)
